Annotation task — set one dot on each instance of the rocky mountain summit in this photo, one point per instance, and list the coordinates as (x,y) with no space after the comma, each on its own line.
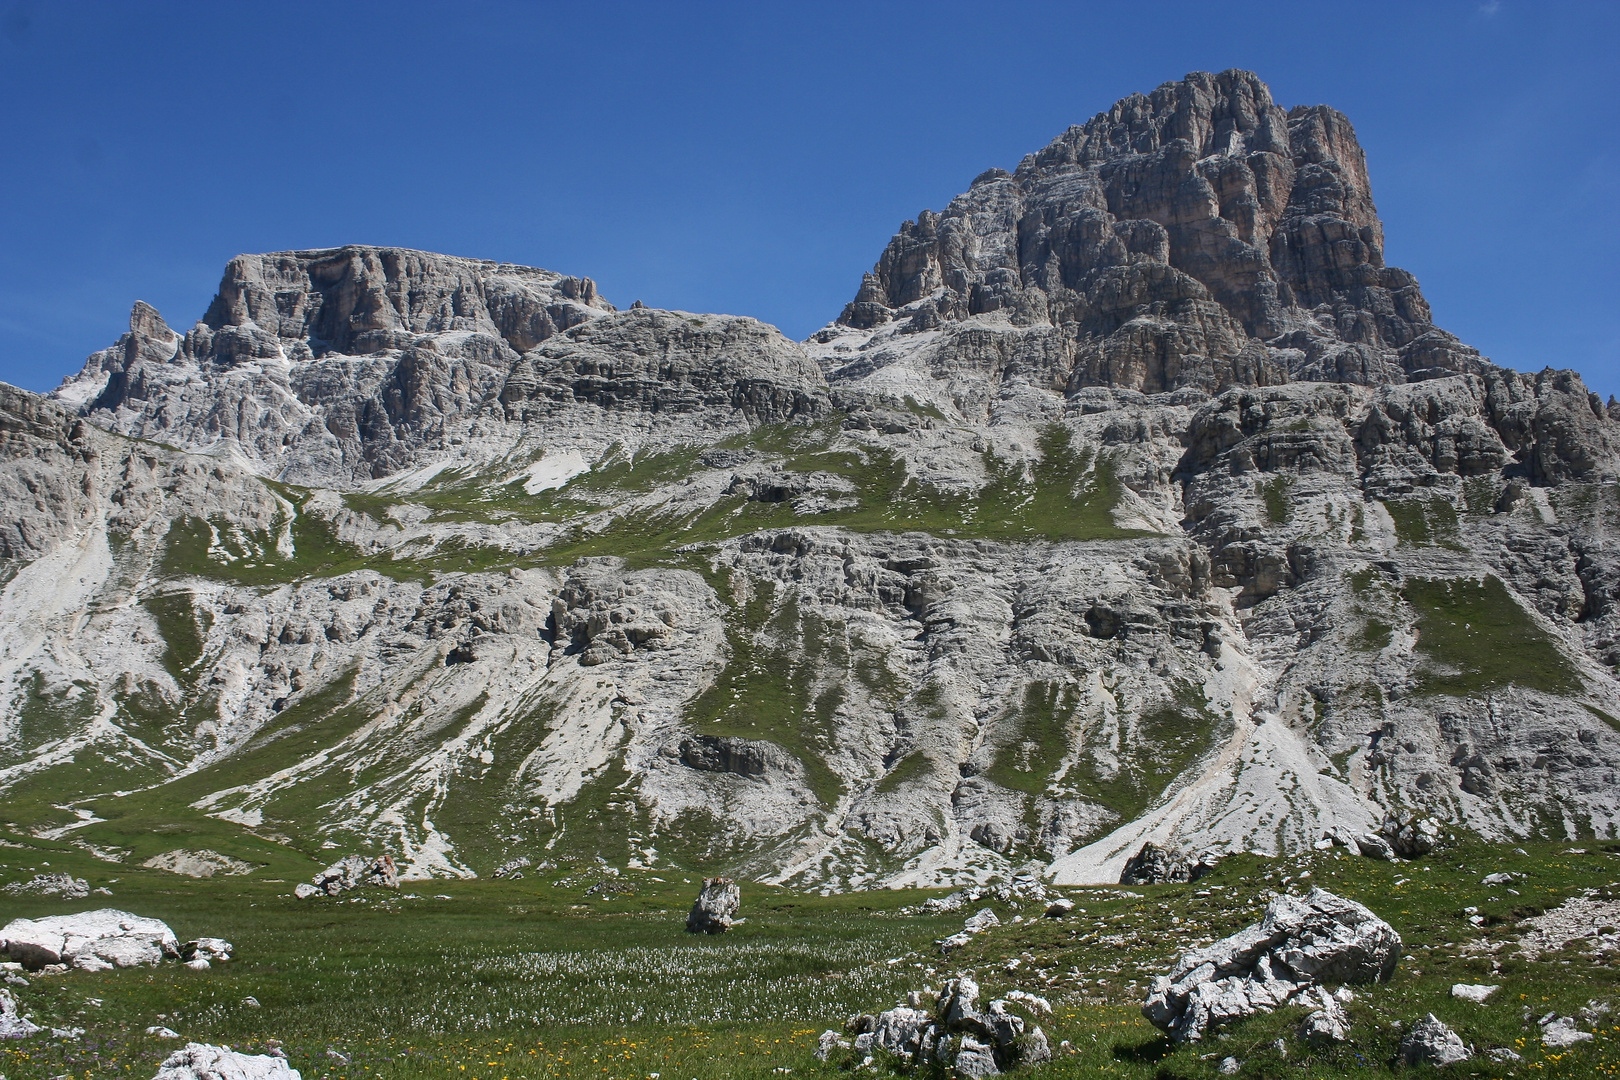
(1133,499)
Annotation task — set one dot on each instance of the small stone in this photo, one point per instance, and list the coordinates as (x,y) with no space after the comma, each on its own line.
(1475,992)
(1229,1066)
(1059,908)
(1431,1042)
(975,1059)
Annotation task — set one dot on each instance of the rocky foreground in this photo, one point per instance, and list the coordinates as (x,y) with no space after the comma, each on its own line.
(1132,498)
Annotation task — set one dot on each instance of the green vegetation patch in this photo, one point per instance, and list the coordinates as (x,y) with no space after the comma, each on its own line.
(765,692)
(1274,495)
(1034,737)
(1475,637)
(1164,744)
(1431,521)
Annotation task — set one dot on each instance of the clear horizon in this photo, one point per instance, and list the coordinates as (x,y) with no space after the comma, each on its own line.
(747,160)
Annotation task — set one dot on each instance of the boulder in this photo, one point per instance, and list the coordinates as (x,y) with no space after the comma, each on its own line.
(1561,1032)
(1374,846)
(1155,865)
(64,885)
(1410,835)
(13,1024)
(206,948)
(1430,1042)
(983,920)
(353,871)
(1301,942)
(200,1061)
(715,907)
(93,940)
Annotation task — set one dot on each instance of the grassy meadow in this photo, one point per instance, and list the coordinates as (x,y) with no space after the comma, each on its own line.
(573,972)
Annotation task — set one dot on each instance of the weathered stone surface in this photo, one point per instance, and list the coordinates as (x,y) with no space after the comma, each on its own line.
(355,871)
(64,885)
(1300,943)
(91,939)
(1154,865)
(13,1024)
(1431,1042)
(715,908)
(200,1061)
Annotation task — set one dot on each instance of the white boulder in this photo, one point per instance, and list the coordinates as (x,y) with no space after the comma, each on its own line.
(200,1061)
(92,940)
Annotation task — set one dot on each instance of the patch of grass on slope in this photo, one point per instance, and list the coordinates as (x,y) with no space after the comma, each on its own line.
(1035,737)
(161,819)
(1164,744)
(1423,521)
(1475,637)
(765,690)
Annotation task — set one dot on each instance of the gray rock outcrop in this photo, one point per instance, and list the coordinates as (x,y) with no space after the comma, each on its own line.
(64,885)
(715,909)
(958,1032)
(1301,943)
(353,872)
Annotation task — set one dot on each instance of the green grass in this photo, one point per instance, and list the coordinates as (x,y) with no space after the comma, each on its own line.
(1274,494)
(1167,741)
(765,691)
(1035,737)
(543,978)
(1474,637)
(1425,521)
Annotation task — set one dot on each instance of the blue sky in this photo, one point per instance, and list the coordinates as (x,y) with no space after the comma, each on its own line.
(753,158)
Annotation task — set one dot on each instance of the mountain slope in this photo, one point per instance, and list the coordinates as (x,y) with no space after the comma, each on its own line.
(1132,498)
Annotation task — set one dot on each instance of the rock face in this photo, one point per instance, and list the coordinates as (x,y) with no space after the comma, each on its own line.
(1301,943)
(715,908)
(343,365)
(1198,236)
(93,940)
(1133,500)
(200,1061)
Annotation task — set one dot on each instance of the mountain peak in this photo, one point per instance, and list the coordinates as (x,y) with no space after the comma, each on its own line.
(1196,236)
